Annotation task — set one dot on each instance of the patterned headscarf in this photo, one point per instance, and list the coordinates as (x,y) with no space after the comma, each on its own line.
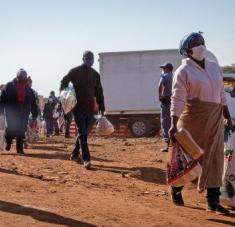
(186,42)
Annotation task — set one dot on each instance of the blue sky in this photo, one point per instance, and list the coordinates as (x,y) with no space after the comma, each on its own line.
(47,37)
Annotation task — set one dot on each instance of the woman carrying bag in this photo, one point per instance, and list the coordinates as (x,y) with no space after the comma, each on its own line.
(198,105)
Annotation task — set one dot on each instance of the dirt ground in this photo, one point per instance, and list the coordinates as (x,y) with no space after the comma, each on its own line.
(125,187)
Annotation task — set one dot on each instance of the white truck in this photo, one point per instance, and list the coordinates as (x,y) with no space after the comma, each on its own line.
(130,81)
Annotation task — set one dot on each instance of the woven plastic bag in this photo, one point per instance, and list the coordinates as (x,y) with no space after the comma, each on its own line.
(181,169)
(228,189)
(104,127)
(68,98)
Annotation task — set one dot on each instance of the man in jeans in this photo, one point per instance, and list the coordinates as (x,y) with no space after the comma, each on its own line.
(165,92)
(88,89)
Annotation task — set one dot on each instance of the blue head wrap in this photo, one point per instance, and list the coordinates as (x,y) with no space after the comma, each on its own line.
(186,42)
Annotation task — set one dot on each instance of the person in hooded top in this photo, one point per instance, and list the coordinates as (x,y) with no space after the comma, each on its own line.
(198,104)
(17,102)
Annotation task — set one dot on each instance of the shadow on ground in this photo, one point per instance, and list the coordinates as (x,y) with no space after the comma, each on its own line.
(40,215)
(225,222)
(148,174)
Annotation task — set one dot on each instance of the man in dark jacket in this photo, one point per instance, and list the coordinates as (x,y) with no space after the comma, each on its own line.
(88,89)
(17,101)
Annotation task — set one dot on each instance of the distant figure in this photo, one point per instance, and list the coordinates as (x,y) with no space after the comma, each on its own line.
(87,85)
(48,116)
(52,95)
(55,102)
(17,101)
(165,92)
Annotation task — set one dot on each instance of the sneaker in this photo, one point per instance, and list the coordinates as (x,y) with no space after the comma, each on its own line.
(87,164)
(220,210)
(74,156)
(177,198)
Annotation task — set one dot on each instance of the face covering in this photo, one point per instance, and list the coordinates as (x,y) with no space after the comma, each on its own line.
(88,61)
(22,79)
(199,52)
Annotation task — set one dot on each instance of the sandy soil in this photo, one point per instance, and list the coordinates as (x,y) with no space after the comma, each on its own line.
(44,188)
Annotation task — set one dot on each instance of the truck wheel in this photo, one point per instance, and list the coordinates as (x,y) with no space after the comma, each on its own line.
(139,127)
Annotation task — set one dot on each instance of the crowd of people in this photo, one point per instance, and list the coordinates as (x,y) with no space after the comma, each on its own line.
(193,98)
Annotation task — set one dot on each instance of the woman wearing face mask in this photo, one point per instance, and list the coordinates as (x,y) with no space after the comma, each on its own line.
(16,102)
(198,104)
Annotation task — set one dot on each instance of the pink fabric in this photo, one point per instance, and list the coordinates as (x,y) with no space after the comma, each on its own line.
(191,81)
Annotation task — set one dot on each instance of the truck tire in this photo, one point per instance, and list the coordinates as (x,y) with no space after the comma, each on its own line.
(139,127)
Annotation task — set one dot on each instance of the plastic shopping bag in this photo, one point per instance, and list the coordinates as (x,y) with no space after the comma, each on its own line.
(68,99)
(181,169)
(104,127)
(228,188)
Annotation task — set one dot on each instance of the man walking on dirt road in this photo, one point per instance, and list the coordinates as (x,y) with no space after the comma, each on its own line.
(88,89)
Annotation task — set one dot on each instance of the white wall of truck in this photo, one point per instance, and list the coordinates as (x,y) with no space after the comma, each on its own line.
(130,81)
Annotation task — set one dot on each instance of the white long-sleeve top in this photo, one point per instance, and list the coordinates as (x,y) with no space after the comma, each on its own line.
(191,81)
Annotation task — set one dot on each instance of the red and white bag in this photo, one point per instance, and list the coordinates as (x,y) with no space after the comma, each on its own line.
(181,169)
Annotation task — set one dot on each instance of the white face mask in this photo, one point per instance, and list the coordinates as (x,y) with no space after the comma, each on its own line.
(199,52)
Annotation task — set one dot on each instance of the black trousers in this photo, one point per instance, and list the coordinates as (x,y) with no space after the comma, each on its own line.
(19,141)
(212,195)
